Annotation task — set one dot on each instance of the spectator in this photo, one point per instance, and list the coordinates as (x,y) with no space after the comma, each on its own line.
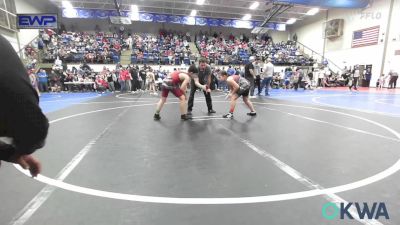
(266,75)
(34,81)
(356,75)
(121,80)
(43,81)
(151,81)
(55,85)
(393,79)
(142,79)
(231,71)
(100,84)
(299,78)
(110,81)
(128,79)
(46,38)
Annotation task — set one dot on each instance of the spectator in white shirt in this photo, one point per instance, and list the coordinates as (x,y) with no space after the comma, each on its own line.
(356,75)
(266,76)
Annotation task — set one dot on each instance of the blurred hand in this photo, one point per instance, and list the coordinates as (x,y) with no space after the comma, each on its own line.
(27,162)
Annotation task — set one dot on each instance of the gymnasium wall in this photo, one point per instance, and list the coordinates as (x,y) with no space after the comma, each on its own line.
(339,50)
(27,35)
(309,32)
(393,59)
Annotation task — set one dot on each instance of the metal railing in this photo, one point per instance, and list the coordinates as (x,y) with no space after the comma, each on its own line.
(319,57)
(21,52)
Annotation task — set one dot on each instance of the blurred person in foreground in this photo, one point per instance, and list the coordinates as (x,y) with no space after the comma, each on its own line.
(23,126)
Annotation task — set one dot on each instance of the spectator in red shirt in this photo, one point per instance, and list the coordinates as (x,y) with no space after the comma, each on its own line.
(121,80)
(117,46)
(128,79)
(100,84)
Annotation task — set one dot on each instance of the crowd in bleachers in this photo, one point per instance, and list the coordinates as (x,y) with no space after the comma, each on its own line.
(87,47)
(283,53)
(223,50)
(165,49)
(121,78)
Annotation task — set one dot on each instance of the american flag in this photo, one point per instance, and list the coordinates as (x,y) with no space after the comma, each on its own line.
(365,37)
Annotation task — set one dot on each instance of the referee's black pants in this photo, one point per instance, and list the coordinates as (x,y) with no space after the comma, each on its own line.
(193,89)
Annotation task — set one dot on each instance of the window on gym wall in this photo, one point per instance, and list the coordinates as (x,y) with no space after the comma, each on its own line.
(7,14)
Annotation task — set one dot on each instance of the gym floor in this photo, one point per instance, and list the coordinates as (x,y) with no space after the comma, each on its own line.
(107,162)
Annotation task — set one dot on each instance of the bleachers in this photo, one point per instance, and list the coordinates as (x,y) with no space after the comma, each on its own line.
(236,51)
(73,47)
(167,49)
(164,49)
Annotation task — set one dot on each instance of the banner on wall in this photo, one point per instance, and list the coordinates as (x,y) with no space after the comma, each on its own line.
(163,18)
(146,17)
(213,22)
(225,23)
(330,3)
(160,18)
(242,24)
(172,19)
(188,20)
(201,21)
(37,21)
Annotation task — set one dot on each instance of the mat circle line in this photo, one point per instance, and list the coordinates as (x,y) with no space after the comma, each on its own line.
(234,200)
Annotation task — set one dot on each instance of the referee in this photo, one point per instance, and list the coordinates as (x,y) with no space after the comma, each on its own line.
(204,79)
(23,126)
